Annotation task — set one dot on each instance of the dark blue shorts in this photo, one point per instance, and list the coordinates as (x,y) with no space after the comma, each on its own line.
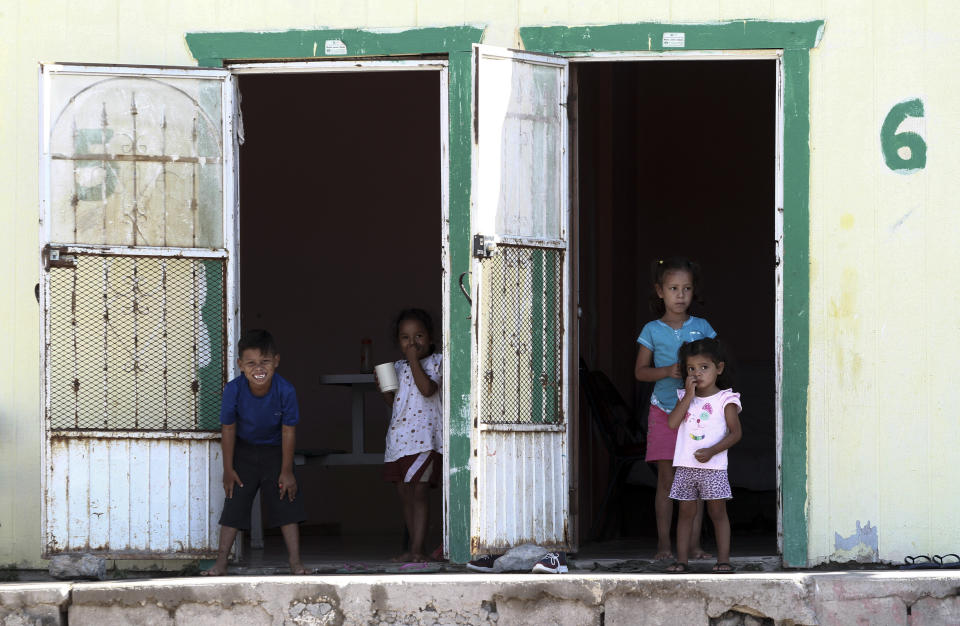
(259,470)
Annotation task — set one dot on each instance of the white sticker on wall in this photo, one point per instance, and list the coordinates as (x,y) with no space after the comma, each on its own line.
(334,46)
(674,40)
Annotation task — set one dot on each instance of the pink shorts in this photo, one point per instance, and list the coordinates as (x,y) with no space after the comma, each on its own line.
(661,439)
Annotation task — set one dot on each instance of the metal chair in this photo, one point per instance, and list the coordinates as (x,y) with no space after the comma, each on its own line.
(616,426)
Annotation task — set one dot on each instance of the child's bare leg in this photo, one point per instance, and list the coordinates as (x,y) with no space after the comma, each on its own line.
(663,506)
(227,536)
(697,552)
(420,518)
(405,491)
(291,537)
(717,510)
(688,509)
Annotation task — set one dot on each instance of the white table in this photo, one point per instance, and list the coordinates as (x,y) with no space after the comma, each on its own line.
(359,384)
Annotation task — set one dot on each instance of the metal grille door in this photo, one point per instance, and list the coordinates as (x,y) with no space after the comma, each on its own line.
(138,259)
(136,343)
(520,465)
(521,346)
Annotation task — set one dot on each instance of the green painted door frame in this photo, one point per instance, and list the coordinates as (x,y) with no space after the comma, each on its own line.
(794,38)
(216,49)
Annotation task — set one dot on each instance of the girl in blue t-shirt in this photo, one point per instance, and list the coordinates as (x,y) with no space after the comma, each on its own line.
(674,281)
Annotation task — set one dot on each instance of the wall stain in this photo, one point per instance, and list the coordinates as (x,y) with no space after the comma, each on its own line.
(862,546)
(900,221)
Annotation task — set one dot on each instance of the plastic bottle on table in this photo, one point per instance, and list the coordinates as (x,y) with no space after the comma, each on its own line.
(366,355)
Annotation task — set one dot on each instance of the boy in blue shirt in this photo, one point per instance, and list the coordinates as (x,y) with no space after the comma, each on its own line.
(258,418)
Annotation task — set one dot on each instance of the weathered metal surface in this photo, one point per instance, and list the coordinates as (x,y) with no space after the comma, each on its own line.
(521,135)
(134,159)
(136,343)
(521,337)
(133,498)
(521,490)
(138,235)
(520,467)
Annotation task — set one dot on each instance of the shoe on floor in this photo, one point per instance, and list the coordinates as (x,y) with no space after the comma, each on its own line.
(551,563)
(483,564)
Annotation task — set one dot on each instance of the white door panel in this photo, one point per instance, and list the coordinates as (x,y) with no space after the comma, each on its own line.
(137,249)
(521,365)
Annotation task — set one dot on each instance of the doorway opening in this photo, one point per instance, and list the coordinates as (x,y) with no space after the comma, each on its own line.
(678,157)
(340,228)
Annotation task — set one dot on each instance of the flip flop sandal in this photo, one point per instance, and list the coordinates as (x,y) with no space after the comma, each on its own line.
(678,568)
(723,568)
(953,563)
(921,561)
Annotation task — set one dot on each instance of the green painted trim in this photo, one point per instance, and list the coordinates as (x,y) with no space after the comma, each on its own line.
(461,172)
(537,332)
(211,49)
(212,316)
(739,35)
(796,305)
(795,39)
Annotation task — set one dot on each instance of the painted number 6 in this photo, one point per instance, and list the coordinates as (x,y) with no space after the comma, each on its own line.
(891,141)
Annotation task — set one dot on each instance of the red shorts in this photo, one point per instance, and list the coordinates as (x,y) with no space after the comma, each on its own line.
(423,467)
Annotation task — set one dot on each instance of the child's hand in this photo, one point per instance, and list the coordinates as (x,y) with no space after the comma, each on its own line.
(690,385)
(288,485)
(230,478)
(410,352)
(703,455)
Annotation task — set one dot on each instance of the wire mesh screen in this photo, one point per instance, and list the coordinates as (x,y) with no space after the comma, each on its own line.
(136,343)
(521,336)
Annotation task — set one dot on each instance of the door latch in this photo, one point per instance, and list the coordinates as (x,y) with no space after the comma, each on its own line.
(483,246)
(55,257)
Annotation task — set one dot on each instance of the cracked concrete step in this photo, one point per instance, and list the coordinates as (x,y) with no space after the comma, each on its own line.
(900,598)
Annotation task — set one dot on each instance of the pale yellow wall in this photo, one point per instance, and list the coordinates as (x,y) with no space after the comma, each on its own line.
(883,306)
(883,435)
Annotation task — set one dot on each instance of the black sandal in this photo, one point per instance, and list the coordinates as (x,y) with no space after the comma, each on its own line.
(678,568)
(723,568)
(921,561)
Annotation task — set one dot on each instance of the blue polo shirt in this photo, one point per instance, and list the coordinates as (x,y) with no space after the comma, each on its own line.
(664,341)
(259,420)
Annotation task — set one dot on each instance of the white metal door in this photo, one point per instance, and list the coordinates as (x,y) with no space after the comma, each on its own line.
(521,288)
(138,267)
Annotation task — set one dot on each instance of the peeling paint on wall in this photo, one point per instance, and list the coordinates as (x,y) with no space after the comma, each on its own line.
(862,546)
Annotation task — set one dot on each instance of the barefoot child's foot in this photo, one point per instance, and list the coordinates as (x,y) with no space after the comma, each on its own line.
(218,569)
(406,557)
(663,555)
(298,569)
(700,554)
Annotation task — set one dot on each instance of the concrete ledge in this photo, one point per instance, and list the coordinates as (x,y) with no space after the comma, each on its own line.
(913,598)
(33,603)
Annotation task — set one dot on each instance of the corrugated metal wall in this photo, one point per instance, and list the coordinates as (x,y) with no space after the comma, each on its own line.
(522,489)
(140,497)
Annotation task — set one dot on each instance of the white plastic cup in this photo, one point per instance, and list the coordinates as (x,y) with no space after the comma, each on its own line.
(387,377)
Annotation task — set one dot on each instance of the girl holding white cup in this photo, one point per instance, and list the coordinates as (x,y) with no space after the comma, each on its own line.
(414,441)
